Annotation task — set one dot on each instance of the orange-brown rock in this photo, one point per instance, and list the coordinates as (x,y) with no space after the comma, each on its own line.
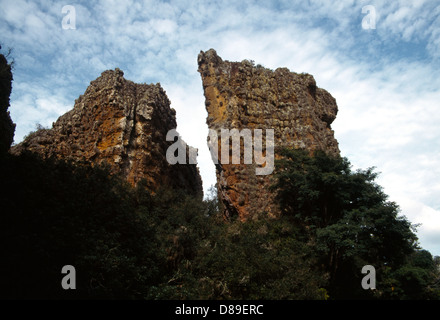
(241,96)
(124,124)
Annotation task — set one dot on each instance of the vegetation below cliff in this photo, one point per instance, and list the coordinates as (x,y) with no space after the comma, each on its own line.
(128,243)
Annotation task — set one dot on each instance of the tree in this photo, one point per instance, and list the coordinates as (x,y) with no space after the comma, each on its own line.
(348,217)
(56,213)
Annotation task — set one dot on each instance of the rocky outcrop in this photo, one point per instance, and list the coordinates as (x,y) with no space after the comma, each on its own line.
(240,95)
(124,124)
(7,127)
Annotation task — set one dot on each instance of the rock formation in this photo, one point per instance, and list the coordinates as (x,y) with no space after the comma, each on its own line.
(241,96)
(124,124)
(7,127)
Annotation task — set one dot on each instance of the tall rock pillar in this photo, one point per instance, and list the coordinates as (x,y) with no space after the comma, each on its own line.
(242,96)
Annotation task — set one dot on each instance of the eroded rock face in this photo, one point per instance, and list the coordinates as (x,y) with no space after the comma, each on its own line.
(124,124)
(241,96)
(7,127)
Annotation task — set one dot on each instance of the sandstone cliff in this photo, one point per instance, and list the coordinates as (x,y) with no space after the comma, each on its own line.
(7,127)
(124,124)
(241,96)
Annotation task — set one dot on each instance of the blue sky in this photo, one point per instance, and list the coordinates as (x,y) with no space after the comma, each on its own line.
(385,80)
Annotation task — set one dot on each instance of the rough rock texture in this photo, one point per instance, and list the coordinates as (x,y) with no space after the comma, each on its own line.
(240,95)
(124,124)
(7,127)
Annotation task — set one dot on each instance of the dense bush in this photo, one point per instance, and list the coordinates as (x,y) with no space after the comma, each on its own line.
(55,213)
(127,243)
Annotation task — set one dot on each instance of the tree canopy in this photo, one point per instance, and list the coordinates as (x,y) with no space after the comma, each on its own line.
(350,222)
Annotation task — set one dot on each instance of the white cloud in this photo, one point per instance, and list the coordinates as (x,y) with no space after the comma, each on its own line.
(427,219)
(163,26)
(411,21)
(36,105)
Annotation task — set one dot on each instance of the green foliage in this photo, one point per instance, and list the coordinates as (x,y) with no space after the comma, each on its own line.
(347,216)
(417,279)
(55,213)
(257,260)
(211,259)
(8,54)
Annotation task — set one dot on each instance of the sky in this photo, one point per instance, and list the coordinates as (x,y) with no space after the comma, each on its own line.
(379,61)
